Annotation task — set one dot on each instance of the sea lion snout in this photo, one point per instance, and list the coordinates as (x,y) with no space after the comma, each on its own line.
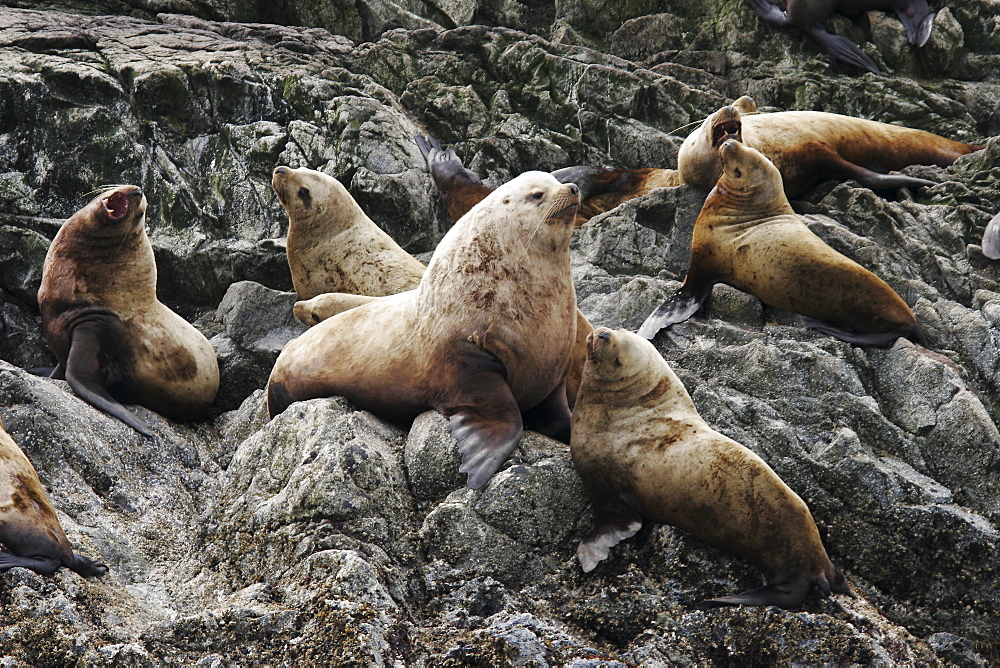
(122,202)
(597,341)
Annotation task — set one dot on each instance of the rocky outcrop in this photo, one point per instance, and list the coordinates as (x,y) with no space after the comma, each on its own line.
(329,535)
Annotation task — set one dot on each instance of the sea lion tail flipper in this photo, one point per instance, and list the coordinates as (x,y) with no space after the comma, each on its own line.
(615,519)
(86,566)
(83,374)
(677,308)
(842,48)
(918,25)
(41,565)
(788,596)
(772,14)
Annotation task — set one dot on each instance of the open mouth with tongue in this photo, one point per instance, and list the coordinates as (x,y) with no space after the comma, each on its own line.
(116,206)
(731,129)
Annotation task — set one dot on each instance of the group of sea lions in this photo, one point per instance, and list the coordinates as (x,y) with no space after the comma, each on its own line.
(489,333)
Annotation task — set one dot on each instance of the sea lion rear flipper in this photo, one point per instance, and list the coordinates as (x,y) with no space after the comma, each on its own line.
(918,26)
(866,177)
(46,371)
(41,565)
(991,239)
(677,308)
(83,373)
(86,566)
(788,595)
(600,180)
(551,417)
(615,519)
(842,48)
(460,188)
(878,339)
(483,415)
(772,14)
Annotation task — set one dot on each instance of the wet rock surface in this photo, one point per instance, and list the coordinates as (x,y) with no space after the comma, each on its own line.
(329,535)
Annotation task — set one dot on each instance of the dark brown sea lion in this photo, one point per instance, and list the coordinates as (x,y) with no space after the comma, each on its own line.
(809,15)
(748,236)
(115,342)
(29,528)
(601,188)
(811,146)
(482,339)
(643,452)
(332,245)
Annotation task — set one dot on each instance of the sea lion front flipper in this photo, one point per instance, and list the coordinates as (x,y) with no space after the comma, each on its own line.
(677,308)
(552,416)
(842,48)
(771,13)
(600,180)
(83,373)
(460,188)
(483,415)
(615,519)
(788,596)
(41,565)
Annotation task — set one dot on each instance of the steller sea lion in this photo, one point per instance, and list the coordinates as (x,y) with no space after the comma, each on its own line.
(482,339)
(748,236)
(643,452)
(29,527)
(115,342)
(332,245)
(811,146)
(809,15)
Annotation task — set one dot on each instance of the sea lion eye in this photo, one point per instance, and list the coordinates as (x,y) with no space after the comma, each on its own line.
(303,192)
(737,172)
(537,195)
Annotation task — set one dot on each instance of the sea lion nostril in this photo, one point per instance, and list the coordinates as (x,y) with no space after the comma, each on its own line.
(573,188)
(604,335)
(281,170)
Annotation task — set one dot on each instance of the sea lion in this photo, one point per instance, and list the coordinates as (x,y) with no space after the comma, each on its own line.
(332,245)
(811,146)
(748,236)
(114,341)
(485,337)
(809,15)
(643,451)
(29,527)
(991,238)
(601,188)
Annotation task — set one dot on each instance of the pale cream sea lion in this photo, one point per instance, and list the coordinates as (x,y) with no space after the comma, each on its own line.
(643,452)
(332,245)
(114,340)
(748,236)
(486,336)
(29,528)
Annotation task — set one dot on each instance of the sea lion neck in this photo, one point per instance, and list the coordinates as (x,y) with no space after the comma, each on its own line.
(735,207)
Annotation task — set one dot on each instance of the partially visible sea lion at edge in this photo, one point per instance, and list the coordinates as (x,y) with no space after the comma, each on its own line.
(114,340)
(644,452)
(748,236)
(29,528)
(809,15)
(811,146)
(332,245)
(486,336)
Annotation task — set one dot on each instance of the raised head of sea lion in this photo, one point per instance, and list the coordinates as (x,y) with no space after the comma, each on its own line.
(332,245)
(809,15)
(812,146)
(486,336)
(29,528)
(643,452)
(601,188)
(748,236)
(114,341)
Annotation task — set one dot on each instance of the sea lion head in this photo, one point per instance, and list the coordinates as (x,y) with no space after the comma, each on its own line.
(616,355)
(114,212)
(309,195)
(698,160)
(748,173)
(533,202)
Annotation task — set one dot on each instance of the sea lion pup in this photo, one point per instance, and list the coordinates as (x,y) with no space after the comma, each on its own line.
(485,337)
(332,245)
(29,528)
(809,15)
(811,146)
(114,341)
(643,451)
(748,236)
(601,188)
